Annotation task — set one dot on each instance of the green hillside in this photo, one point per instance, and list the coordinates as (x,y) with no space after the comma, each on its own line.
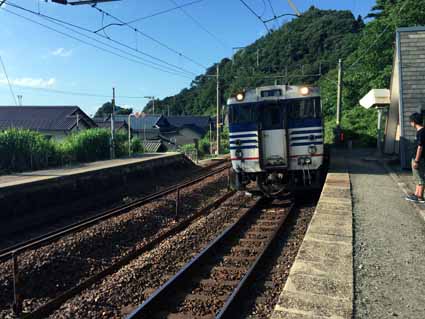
(299,50)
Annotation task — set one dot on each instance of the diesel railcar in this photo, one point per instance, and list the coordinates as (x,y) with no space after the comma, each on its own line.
(276,138)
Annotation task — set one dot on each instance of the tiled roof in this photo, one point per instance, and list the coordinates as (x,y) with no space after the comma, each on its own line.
(138,124)
(42,118)
(192,120)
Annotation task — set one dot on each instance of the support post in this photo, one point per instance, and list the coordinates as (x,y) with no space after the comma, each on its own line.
(17,297)
(177,204)
(379,138)
(218,109)
(112,125)
(339,96)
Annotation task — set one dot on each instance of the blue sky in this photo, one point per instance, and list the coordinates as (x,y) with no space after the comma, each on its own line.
(39,57)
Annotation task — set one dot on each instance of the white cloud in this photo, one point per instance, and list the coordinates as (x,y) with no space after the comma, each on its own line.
(61,52)
(29,82)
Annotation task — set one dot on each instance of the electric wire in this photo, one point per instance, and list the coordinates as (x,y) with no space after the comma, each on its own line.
(149,37)
(8,81)
(62,22)
(200,25)
(76,93)
(255,14)
(378,37)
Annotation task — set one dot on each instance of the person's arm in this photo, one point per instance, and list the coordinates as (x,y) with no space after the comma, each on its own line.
(418,153)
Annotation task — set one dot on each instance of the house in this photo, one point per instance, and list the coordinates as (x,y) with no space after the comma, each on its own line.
(53,121)
(406,94)
(147,127)
(186,129)
(106,123)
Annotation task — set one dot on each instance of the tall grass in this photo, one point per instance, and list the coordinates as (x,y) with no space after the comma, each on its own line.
(22,150)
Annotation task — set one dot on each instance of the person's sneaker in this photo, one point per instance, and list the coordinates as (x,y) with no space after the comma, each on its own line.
(415,199)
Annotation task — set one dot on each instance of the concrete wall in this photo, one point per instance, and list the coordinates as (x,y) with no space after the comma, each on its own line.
(391,144)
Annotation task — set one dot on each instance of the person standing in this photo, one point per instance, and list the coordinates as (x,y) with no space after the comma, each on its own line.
(418,160)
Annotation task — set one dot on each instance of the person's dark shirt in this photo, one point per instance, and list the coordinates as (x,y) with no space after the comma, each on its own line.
(420,140)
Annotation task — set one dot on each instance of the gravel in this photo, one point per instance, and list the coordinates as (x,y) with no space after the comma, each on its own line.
(50,270)
(389,247)
(118,294)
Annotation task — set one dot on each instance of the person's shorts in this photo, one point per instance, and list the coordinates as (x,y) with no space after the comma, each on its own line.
(419,173)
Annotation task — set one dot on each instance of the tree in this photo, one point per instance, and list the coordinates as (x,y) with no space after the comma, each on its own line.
(106,109)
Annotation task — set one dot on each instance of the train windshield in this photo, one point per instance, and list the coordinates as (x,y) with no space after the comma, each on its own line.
(243,113)
(304,108)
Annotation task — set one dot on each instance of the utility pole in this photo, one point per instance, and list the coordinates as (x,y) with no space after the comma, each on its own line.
(218,109)
(339,96)
(258,58)
(112,125)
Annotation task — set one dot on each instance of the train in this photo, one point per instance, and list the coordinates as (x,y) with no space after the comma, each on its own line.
(276,138)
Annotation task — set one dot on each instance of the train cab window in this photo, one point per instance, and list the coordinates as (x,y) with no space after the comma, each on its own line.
(271,117)
(304,108)
(243,113)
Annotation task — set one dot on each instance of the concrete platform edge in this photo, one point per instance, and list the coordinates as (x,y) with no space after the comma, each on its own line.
(320,282)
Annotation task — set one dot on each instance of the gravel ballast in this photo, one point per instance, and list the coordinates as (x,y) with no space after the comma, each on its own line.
(50,270)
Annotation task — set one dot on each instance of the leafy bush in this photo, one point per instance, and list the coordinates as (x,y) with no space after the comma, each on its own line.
(136,145)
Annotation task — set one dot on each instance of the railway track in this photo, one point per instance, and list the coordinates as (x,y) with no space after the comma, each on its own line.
(13,252)
(214,283)
(47,238)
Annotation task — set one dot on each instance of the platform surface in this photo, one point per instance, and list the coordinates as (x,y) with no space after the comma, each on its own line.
(363,255)
(320,282)
(35,176)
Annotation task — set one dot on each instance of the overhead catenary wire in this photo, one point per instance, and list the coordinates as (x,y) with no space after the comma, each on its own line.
(201,26)
(8,81)
(255,14)
(164,45)
(62,23)
(154,14)
(96,46)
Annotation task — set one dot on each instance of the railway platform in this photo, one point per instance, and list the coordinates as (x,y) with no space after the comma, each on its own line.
(51,194)
(363,255)
(18,179)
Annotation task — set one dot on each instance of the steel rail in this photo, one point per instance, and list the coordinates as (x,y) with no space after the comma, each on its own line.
(46,309)
(50,237)
(166,292)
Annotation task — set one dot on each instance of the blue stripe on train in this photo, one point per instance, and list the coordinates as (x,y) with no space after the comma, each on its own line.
(244,141)
(304,123)
(306,132)
(307,143)
(242,135)
(248,147)
(246,127)
(307,137)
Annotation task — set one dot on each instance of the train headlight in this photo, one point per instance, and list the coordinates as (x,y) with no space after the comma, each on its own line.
(301,161)
(307,160)
(238,142)
(304,91)
(239,154)
(312,149)
(240,96)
